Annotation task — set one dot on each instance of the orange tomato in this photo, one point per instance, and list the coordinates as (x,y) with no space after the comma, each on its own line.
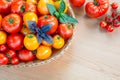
(43,52)
(46,43)
(0,20)
(25,30)
(3,37)
(33,1)
(42,6)
(58,42)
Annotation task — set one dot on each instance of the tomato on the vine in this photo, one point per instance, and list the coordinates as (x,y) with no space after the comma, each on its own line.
(42,6)
(12,23)
(114,5)
(43,52)
(3,37)
(65,30)
(103,24)
(15,41)
(77,3)
(3,59)
(97,8)
(26,55)
(3,48)
(11,53)
(48,19)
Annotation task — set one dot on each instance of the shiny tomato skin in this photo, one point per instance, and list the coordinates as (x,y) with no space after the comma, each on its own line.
(30,7)
(97,8)
(48,19)
(15,61)
(18,7)
(11,53)
(77,3)
(65,30)
(3,48)
(12,23)
(26,55)
(15,41)
(3,59)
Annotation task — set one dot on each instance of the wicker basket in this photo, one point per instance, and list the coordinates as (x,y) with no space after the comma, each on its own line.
(56,53)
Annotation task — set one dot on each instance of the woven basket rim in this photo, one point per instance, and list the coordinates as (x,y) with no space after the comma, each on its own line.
(59,53)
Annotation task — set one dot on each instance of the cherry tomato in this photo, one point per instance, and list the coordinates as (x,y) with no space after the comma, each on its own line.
(3,48)
(43,52)
(48,19)
(77,3)
(30,7)
(15,41)
(103,24)
(58,42)
(118,18)
(5,6)
(26,55)
(110,28)
(42,6)
(31,42)
(0,20)
(108,19)
(114,14)
(11,54)
(57,5)
(65,30)
(33,1)
(116,23)
(15,61)
(29,16)
(3,59)
(12,23)
(114,5)
(3,37)
(25,30)
(18,7)
(97,8)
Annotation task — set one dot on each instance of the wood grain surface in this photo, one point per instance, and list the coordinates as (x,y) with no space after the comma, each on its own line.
(93,55)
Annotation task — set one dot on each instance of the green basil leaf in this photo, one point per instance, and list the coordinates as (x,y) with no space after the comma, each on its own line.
(51,9)
(69,19)
(62,6)
(62,19)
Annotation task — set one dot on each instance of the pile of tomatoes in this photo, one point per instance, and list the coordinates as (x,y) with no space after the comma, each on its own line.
(17,42)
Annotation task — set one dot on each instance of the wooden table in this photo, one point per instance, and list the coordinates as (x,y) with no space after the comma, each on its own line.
(93,55)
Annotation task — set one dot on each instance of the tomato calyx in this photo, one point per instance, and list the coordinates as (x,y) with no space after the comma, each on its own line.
(8,0)
(45,17)
(58,37)
(30,36)
(69,26)
(11,20)
(96,3)
(22,9)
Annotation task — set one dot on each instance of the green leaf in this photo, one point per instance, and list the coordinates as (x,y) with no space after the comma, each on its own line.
(69,19)
(51,9)
(62,7)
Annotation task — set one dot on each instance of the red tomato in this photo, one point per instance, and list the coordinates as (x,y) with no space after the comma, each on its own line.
(0,20)
(116,23)
(15,60)
(103,24)
(114,5)
(77,3)
(65,30)
(18,7)
(30,7)
(97,8)
(15,41)
(12,23)
(26,55)
(11,53)
(3,59)
(21,6)
(3,48)
(48,19)
(109,28)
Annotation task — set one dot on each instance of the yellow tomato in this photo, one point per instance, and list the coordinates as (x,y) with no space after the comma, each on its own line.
(31,42)
(29,16)
(25,30)
(3,37)
(42,6)
(43,52)
(57,5)
(0,20)
(58,42)
(46,43)
(33,1)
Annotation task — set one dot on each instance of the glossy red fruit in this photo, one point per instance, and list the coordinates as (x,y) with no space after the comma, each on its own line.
(3,48)
(116,23)
(15,41)
(26,55)
(108,19)
(118,18)
(110,28)
(114,5)
(3,59)
(11,53)
(77,3)
(15,61)
(103,24)
(114,14)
